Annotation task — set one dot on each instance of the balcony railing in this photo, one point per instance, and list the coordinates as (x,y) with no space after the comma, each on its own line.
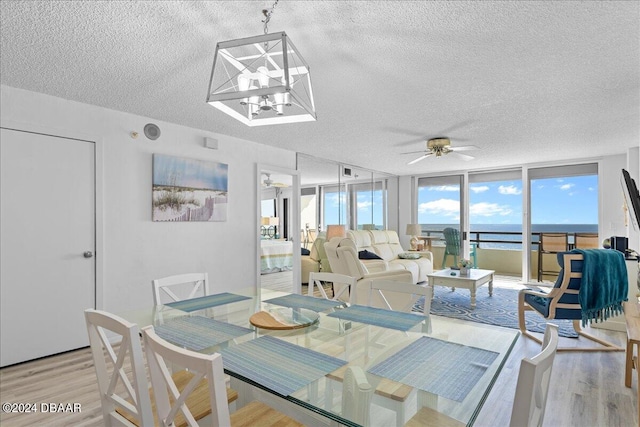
(487,239)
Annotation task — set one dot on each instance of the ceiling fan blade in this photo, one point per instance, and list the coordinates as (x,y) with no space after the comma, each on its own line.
(456,127)
(418,159)
(409,142)
(403,131)
(464,148)
(415,152)
(464,156)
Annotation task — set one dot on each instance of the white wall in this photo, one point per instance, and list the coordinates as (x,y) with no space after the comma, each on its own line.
(612,216)
(633,167)
(135,249)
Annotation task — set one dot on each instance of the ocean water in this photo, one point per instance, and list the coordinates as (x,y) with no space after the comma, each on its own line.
(487,229)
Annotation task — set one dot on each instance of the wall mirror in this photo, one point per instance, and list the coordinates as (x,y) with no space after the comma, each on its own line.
(336,197)
(277,229)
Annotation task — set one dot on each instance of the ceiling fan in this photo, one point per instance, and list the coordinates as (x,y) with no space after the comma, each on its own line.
(440,146)
(268,182)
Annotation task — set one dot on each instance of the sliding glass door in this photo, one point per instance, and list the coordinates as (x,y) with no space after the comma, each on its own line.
(503,213)
(564,202)
(495,209)
(439,205)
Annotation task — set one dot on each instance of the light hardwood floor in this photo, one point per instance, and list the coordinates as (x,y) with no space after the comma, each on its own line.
(587,389)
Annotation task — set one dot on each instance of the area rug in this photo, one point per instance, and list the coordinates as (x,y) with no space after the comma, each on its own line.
(501,309)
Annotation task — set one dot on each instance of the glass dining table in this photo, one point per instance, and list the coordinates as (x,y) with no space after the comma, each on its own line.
(447,372)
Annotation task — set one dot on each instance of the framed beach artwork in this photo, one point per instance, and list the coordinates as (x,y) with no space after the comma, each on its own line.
(189,189)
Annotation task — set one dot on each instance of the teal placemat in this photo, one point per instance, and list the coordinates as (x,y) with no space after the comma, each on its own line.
(197,332)
(199,303)
(379,317)
(301,301)
(278,365)
(447,369)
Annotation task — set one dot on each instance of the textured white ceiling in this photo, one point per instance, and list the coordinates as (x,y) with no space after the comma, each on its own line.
(523,81)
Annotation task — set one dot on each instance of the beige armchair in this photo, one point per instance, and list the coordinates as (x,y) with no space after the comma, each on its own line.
(343,259)
(315,262)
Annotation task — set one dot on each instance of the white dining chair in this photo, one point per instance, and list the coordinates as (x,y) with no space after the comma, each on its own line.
(208,368)
(413,293)
(180,287)
(533,383)
(126,398)
(120,394)
(356,396)
(343,286)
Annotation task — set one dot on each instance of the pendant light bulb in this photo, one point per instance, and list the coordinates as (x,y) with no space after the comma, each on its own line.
(263,76)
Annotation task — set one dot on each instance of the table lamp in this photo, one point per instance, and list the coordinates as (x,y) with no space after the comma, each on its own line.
(336,231)
(414,230)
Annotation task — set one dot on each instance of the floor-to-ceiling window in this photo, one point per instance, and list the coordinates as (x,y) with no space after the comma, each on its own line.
(334,205)
(560,199)
(439,203)
(563,199)
(369,205)
(495,209)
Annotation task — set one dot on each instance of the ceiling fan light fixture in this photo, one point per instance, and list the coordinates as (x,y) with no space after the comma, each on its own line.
(440,146)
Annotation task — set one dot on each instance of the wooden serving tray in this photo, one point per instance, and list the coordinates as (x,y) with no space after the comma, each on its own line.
(282,320)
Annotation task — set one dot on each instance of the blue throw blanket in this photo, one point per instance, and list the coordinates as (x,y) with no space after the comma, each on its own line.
(604,284)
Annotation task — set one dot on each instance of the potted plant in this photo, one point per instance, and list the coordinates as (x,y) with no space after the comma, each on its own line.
(464,265)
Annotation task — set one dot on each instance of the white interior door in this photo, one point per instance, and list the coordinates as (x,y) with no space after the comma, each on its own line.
(47,223)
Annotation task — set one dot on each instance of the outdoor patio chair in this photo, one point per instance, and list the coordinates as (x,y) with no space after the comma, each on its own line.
(452,247)
(550,243)
(605,282)
(586,241)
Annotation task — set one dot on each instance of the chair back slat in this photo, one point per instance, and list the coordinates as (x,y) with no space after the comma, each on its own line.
(533,383)
(413,293)
(586,241)
(111,364)
(452,240)
(356,395)
(344,286)
(169,400)
(180,287)
(567,304)
(554,242)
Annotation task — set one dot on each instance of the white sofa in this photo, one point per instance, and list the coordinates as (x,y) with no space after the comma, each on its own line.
(386,244)
(344,260)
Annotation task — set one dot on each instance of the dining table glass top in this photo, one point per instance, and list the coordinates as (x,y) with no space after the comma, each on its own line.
(449,370)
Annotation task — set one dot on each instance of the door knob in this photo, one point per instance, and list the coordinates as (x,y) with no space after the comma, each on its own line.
(88,254)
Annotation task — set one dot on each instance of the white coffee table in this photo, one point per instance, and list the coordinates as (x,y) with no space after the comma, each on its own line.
(452,279)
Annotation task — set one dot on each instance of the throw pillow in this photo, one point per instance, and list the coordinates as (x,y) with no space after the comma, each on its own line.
(408,255)
(365,254)
(304,251)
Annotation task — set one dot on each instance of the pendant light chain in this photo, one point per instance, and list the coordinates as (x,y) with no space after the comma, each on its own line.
(267,16)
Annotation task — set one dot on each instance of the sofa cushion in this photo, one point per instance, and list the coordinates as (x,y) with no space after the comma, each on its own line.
(408,255)
(386,244)
(361,240)
(365,254)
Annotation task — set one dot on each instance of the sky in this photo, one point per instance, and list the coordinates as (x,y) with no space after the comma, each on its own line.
(568,200)
(190,173)
(365,206)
